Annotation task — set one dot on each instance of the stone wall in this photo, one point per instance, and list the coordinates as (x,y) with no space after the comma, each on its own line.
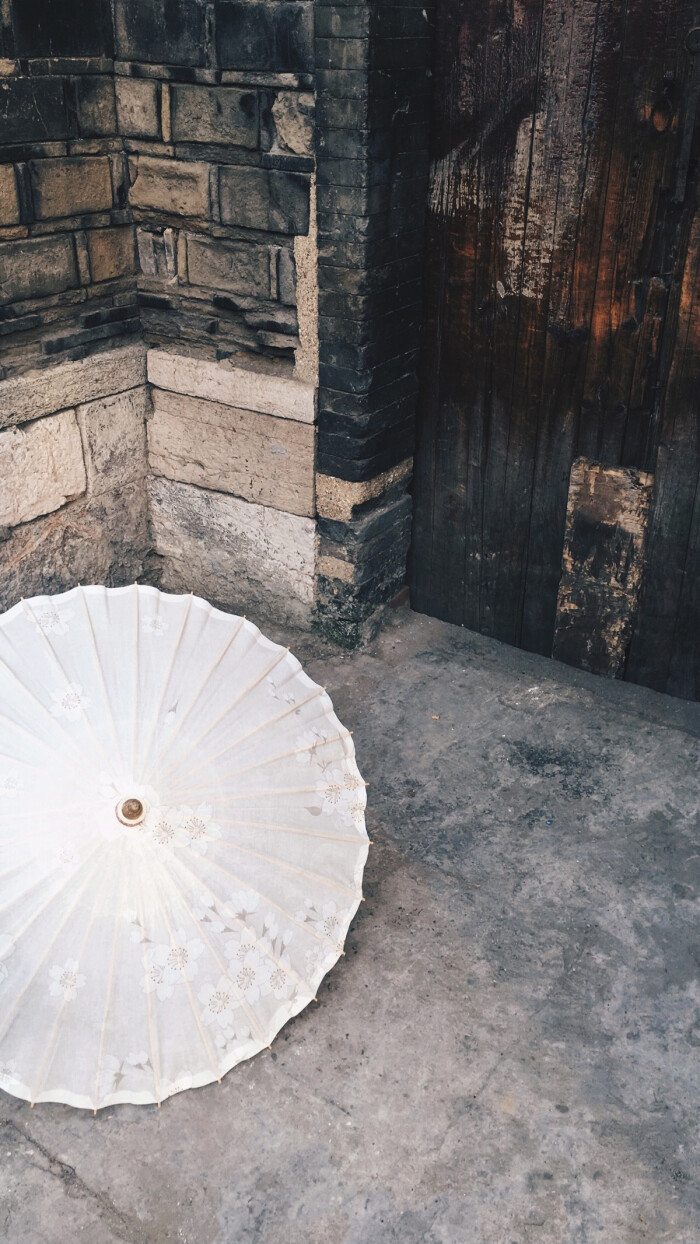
(67,256)
(164,165)
(216,109)
(73,469)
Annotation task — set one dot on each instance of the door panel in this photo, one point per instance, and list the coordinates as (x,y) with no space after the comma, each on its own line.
(556,247)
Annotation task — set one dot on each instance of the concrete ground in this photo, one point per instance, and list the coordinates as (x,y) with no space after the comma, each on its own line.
(508,1054)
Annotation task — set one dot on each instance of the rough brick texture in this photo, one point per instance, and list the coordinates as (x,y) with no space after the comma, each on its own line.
(373,90)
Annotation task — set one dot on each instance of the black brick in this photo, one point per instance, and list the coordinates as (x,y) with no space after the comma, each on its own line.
(266,36)
(32,110)
(63,28)
(397,438)
(171,32)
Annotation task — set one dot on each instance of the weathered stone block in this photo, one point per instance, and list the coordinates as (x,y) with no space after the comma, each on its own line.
(41,466)
(32,110)
(233,552)
(293,118)
(112,253)
(114,440)
(207,114)
(254,456)
(138,107)
(341,500)
(70,186)
(267,37)
(97,114)
(36,267)
(234,266)
(161,31)
(9,199)
(233,386)
(269,199)
(70,384)
(172,186)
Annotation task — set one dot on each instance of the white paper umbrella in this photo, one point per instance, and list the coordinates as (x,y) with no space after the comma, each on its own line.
(182,841)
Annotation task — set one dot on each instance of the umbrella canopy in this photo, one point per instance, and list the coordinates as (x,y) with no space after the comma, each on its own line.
(182,841)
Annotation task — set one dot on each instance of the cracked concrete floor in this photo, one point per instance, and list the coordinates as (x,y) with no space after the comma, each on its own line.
(509,1052)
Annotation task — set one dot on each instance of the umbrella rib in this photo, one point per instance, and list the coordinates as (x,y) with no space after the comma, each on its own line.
(46,1062)
(166,684)
(308,928)
(290,829)
(225,969)
(269,721)
(203,684)
(294,751)
(278,790)
(212,725)
(302,872)
(207,1042)
(46,711)
(100,670)
(6,906)
(57,663)
(263,946)
(110,982)
(33,738)
(9,1017)
(136,679)
(155,1059)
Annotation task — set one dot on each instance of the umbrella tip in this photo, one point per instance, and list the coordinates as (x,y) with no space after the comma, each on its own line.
(94,1113)
(371,841)
(159,1105)
(31,1105)
(218,1081)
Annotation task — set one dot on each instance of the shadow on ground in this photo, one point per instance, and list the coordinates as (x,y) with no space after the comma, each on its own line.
(509,1052)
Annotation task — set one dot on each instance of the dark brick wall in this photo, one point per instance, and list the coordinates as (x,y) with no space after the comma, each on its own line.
(67,252)
(215,105)
(190,121)
(373,102)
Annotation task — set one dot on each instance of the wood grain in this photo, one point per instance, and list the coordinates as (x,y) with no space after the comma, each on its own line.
(555,252)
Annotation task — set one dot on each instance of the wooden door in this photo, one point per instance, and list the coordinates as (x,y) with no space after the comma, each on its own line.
(561,349)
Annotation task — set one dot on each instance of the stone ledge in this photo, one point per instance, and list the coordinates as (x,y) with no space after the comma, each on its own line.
(38,393)
(233,386)
(241,452)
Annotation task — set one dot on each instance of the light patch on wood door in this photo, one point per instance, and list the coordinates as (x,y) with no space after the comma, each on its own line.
(602,565)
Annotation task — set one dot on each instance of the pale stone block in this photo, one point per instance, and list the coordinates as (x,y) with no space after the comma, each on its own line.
(339,498)
(138,107)
(70,384)
(114,439)
(112,252)
(214,114)
(67,187)
(233,386)
(236,267)
(232,552)
(36,267)
(9,201)
(254,456)
(177,187)
(293,115)
(41,467)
